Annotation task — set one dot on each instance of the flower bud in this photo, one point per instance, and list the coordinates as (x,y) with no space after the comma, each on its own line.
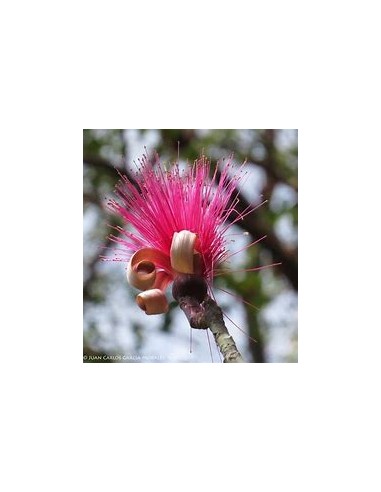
(189,286)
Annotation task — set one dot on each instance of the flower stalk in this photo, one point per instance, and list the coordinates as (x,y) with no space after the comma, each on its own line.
(203,312)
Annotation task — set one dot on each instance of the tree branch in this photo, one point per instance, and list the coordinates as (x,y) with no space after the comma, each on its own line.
(214,318)
(208,314)
(256,226)
(102,164)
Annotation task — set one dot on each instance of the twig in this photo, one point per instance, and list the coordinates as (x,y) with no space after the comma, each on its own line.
(208,314)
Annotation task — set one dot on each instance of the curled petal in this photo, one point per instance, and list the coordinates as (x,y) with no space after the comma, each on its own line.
(141,274)
(141,269)
(152,301)
(182,251)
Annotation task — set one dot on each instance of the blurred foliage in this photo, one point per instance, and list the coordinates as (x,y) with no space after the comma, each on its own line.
(271,157)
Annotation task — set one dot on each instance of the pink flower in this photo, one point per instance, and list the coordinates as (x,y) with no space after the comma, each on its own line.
(179,220)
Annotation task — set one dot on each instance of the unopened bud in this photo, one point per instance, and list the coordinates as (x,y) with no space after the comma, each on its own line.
(189,286)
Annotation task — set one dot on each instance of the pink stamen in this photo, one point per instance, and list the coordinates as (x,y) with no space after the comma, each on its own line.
(257,269)
(246,247)
(240,329)
(239,298)
(161,202)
